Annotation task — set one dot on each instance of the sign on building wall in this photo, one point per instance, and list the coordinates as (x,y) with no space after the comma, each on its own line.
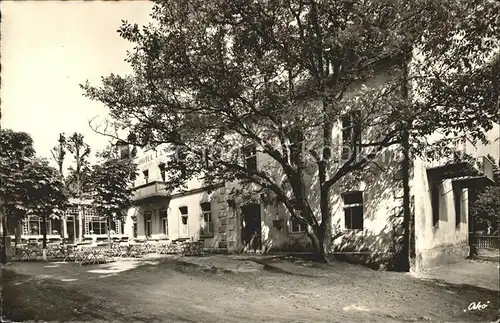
(151,155)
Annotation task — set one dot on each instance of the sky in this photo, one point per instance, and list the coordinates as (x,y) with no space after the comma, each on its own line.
(48,49)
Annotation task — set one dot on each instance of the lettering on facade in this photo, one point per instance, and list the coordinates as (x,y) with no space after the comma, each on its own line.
(152,156)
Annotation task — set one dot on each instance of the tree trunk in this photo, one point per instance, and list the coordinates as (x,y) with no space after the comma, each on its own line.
(74,229)
(80,222)
(3,217)
(325,229)
(319,248)
(407,222)
(64,227)
(44,238)
(19,229)
(109,232)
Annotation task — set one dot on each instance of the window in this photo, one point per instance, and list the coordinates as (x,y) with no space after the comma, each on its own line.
(146,175)
(457,198)
(250,154)
(297,226)
(72,212)
(94,224)
(35,225)
(134,229)
(353,210)
(161,166)
(351,133)
(435,203)
(97,225)
(207,228)
(147,224)
(164,221)
(184,220)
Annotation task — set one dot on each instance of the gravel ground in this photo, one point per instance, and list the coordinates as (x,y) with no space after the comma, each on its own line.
(235,289)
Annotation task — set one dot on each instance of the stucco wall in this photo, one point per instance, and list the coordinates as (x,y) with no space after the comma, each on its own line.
(194,223)
(445,242)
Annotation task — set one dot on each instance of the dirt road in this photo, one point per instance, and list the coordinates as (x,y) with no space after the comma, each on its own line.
(172,290)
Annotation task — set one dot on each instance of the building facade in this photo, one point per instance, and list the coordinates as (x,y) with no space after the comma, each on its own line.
(367,210)
(79,222)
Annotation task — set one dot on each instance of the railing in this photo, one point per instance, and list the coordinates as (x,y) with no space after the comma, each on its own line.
(484,242)
(150,189)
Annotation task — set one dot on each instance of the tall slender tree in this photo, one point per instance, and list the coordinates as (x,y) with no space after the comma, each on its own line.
(58,155)
(80,151)
(59,152)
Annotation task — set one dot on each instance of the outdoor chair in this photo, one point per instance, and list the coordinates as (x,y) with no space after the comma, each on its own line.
(55,250)
(191,248)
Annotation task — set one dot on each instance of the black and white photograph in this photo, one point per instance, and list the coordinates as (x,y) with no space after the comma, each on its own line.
(250,161)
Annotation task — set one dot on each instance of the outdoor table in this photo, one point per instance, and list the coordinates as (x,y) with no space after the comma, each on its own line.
(91,256)
(149,247)
(162,248)
(29,252)
(192,248)
(84,256)
(55,251)
(135,250)
(171,248)
(19,251)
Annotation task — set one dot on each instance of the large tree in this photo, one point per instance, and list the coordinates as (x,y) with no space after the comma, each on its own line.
(111,181)
(16,151)
(45,194)
(280,74)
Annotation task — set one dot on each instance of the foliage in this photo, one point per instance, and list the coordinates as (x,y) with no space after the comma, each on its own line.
(16,150)
(219,75)
(485,205)
(45,189)
(71,180)
(45,192)
(111,181)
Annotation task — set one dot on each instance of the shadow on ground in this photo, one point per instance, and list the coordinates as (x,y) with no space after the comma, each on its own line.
(282,290)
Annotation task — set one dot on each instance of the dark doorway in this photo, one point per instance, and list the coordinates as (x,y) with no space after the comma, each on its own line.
(134,233)
(251,227)
(72,230)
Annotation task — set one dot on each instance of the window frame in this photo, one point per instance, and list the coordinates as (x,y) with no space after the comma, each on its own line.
(294,221)
(148,224)
(162,166)
(353,129)
(164,221)
(38,220)
(457,201)
(145,173)
(207,226)
(348,210)
(96,221)
(435,203)
(184,216)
